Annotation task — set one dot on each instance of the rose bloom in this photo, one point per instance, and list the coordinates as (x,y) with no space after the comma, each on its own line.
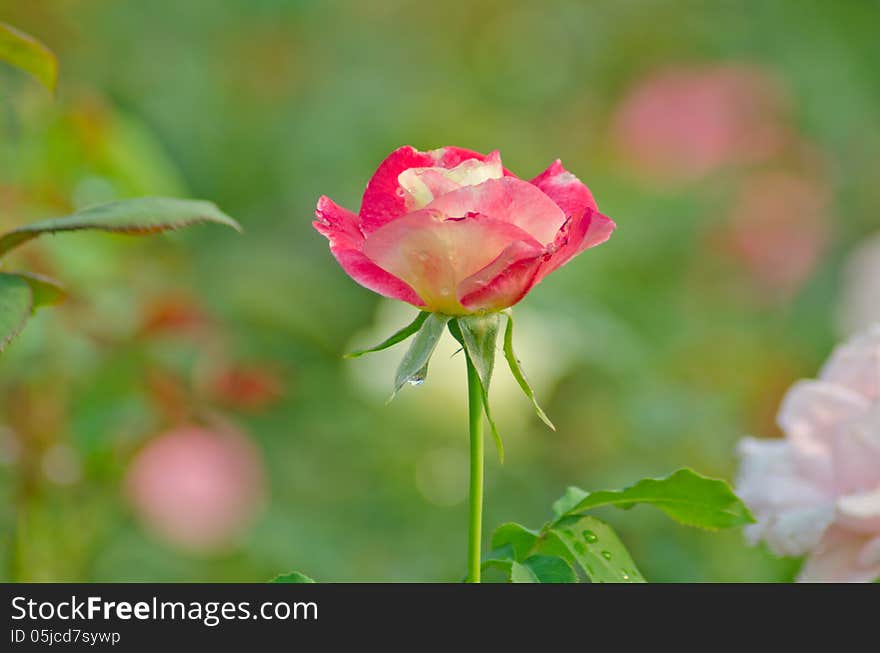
(817,491)
(452,231)
(196,488)
(683,123)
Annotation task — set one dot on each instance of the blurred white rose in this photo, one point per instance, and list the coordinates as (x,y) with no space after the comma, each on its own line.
(817,491)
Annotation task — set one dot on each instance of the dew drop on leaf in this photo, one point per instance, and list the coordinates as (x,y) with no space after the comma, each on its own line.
(606,555)
(590,537)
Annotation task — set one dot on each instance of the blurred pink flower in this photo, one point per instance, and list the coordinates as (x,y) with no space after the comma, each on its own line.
(196,488)
(778,228)
(817,491)
(682,123)
(452,231)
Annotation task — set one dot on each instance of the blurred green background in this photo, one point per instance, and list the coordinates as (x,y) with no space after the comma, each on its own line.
(737,145)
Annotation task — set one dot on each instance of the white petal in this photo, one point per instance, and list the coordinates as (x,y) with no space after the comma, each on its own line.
(855,364)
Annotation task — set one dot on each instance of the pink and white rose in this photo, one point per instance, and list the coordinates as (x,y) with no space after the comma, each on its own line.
(817,491)
(452,231)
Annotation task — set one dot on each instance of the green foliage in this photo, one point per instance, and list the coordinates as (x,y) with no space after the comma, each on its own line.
(22,293)
(413,367)
(292,577)
(549,569)
(16,303)
(686,496)
(595,548)
(573,539)
(140,217)
(27,53)
(45,291)
(520,539)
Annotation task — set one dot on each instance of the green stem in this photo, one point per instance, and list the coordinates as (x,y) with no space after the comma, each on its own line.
(475,500)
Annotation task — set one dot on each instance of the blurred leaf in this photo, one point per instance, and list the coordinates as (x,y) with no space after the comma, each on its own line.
(414,366)
(685,496)
(292,577)
(519,375)
(550,569)
(45,291)
(595,547)
(479,334)
(16,303)
(392,340)
(518,537)
(27,53)
(142,216)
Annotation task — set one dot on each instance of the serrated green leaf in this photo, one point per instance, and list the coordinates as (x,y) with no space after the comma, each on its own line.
(392,340)
(142,216)
(16,304)
(292,577)
(27,53)
(520,539)
(550,569)
(685,496)
(594,547)
(518,373)
(45,291)
(478,336)
(413,367)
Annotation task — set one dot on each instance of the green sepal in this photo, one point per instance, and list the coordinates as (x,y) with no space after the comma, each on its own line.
(478,334)
(413,367)
(518,373)
(397,337)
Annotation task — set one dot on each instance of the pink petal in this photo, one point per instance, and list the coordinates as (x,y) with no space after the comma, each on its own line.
(450,156)
(422,185)
(509,200)
(340,226)
(518,270)
(810,415)
(860,512)
(792,512)
(435,254)
(856,364)
(856,455)
(837,560)
(569,193)
(581,232)
(505,281)
(383,199)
